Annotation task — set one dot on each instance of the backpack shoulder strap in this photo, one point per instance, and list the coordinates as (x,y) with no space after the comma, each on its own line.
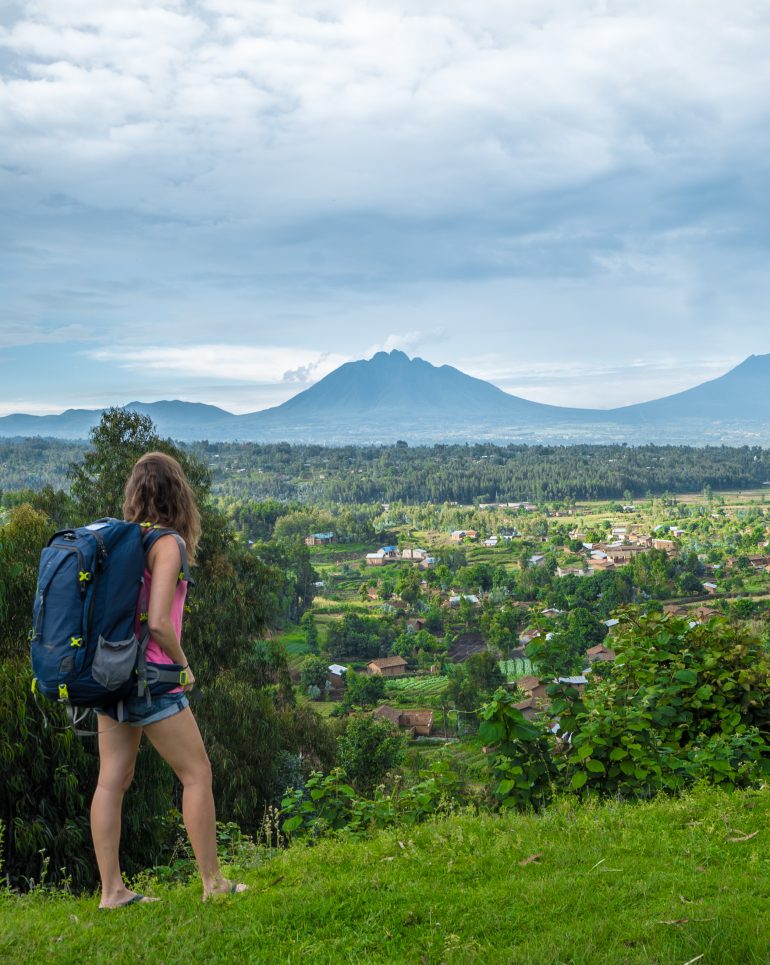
(151,533)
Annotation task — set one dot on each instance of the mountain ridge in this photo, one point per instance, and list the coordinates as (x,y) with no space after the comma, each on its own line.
(391,396)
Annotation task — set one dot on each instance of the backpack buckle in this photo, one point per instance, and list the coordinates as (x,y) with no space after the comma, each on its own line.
(63,693)
(184,678)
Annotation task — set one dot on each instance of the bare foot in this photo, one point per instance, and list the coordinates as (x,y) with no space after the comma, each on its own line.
(224,887)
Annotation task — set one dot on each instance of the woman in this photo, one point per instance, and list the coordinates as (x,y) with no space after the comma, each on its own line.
(158,492)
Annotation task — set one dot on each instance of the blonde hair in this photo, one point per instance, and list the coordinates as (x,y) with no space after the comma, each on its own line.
(157,491)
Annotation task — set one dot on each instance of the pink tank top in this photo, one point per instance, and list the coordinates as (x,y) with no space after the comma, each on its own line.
(155,653)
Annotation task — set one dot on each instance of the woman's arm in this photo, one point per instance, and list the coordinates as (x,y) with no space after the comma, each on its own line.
(164,562)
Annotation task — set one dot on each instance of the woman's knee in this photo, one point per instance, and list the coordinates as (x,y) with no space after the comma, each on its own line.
(196,771)
(114,780)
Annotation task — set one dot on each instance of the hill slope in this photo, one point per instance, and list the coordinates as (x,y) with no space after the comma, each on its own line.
(741,393)
(665,881)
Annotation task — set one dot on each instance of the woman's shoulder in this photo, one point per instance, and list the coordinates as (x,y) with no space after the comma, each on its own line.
(166,547)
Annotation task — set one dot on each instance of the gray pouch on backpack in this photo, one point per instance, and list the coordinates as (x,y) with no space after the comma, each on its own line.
(114,662)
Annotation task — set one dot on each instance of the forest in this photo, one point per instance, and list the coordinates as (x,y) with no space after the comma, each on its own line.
(426,474)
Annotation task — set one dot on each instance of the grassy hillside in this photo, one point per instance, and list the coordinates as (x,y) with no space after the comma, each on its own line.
(671,881)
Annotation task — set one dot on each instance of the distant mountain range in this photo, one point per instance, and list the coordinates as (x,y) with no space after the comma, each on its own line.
(391,396)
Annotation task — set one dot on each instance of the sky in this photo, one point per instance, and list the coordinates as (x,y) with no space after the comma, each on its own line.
(223,200)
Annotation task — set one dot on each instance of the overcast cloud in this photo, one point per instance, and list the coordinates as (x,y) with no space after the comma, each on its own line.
(222,200)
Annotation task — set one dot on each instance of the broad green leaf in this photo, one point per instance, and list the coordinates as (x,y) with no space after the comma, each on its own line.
(491,731)
(578,780)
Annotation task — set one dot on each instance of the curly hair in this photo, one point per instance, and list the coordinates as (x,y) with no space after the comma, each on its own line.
(157,491)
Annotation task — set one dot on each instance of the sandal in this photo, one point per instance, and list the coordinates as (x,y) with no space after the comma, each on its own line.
(133,900)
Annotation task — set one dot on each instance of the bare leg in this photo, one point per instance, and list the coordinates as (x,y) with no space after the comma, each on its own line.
(118,744)
(178,740)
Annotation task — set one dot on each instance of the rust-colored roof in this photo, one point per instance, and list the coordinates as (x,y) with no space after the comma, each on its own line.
(528,683)
(388,712)
(416,718)
(383,662)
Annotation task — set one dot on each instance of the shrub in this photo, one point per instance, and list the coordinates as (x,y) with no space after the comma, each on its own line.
(368,750)
(329,803)
(681,703)
(48,774)
(521,762)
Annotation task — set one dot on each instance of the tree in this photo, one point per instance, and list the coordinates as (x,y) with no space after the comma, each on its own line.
(472,682)
(502,629)
(315,673)
(359,636)
(408,585)
(21,540)
(367,751)
(308,624)
(465,611)
(119,439)
(434,622)
(478,577)
(295,526)
(363,690)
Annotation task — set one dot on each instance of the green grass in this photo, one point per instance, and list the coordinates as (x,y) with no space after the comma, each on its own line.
(323,707)
(294,641)
(660,882)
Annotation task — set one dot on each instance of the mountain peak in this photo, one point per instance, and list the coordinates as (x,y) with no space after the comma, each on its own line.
(394,356)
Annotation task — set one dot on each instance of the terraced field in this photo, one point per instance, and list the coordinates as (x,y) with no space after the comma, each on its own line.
(417,691)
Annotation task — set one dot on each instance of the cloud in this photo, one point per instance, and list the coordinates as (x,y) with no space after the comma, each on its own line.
(239,363)
(408,341)
(406,112)
(15,333)
(576,176)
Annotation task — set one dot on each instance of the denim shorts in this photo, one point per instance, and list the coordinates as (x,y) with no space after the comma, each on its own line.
(138,713)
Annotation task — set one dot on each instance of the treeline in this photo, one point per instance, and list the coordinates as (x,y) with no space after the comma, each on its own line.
(427,474)
(481,473)
(36,463)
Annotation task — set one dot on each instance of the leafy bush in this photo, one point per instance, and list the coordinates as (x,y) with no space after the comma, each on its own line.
(359,636)
(363,690)
(681,703)
(329,803)
(48,774)
(368,750)
(521,765)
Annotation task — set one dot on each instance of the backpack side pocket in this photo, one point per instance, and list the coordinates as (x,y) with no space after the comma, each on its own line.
(114,662)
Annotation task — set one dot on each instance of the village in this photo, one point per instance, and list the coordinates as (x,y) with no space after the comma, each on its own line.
(540,588)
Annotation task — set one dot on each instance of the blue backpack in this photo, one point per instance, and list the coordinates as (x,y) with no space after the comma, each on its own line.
(84,650)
